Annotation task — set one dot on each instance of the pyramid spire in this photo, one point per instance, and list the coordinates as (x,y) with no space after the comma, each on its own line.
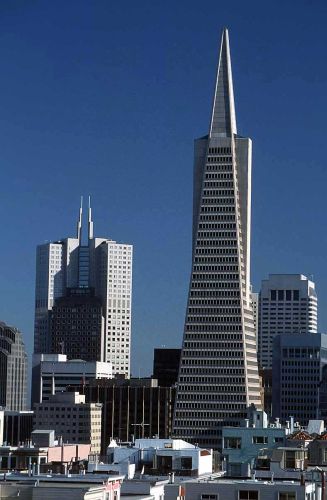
(223,120)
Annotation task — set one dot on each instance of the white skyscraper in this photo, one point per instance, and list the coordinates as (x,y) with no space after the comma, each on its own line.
(218,376)
(287,304)
(101,264)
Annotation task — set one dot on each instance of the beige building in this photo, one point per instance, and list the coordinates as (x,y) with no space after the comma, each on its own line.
(72,419)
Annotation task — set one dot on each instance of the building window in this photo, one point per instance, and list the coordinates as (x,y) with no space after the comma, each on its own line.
(287,495)
(248,495)
(260,439)
(209,497)
(232,442)
(186,463)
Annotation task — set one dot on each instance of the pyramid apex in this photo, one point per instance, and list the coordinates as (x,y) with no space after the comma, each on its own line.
(223,119)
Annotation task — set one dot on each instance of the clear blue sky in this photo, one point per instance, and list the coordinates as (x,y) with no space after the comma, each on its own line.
(106,97)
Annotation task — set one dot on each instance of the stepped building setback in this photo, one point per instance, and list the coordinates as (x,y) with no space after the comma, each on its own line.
(83,298)
(218,376)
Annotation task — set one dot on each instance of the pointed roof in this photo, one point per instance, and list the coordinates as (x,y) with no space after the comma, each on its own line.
(79,222)
(90,221)
(223,120)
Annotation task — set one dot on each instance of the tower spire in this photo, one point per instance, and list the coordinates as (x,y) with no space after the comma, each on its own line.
(79,223)
(223,120)
(90,222)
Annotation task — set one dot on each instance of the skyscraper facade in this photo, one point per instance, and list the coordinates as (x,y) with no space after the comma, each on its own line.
(13,369)
(299,377)
(287,305)
(102,268)
(218,375)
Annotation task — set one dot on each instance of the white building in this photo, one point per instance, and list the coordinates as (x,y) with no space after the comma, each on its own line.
(154,456)
(72,487)
(255,307)
(225,489)
(287,304)
(52,373)
(101,264)
(218,375)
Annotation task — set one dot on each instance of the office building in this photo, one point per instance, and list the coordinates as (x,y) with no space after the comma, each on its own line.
(166,365)
(218,376)
(131,407)
(255,308)
(101,267)
(77,325)
(287,304)
(13,369)
(53,373)
(299,363)
(72,419)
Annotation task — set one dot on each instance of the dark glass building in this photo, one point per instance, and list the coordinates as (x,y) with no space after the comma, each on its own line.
(131,407)
(166,365)
(76,325)
(299,375)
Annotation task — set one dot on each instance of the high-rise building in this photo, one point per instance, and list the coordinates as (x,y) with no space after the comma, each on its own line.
(13,369)
(101,268)
(255,307)
(166,365)
(299,377)
(218,376)
(77,324)
(287,304)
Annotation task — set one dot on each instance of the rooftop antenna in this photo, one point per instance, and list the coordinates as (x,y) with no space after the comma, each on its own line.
(79,223)
(90,222)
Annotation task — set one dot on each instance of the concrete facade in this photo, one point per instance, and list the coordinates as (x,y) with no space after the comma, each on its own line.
(218,375)
(73,420)
(13,369)
(52,373)
(242,445)
(287,305)
(299,376)
(100,264)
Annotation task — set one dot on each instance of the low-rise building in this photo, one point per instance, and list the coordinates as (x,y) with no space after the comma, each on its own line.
(23,458)
(241,445)
(51,487)
(73,420)
(154,457)
(224,489)
(15,427)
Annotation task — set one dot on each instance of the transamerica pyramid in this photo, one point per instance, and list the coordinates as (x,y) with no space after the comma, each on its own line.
(218,375)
